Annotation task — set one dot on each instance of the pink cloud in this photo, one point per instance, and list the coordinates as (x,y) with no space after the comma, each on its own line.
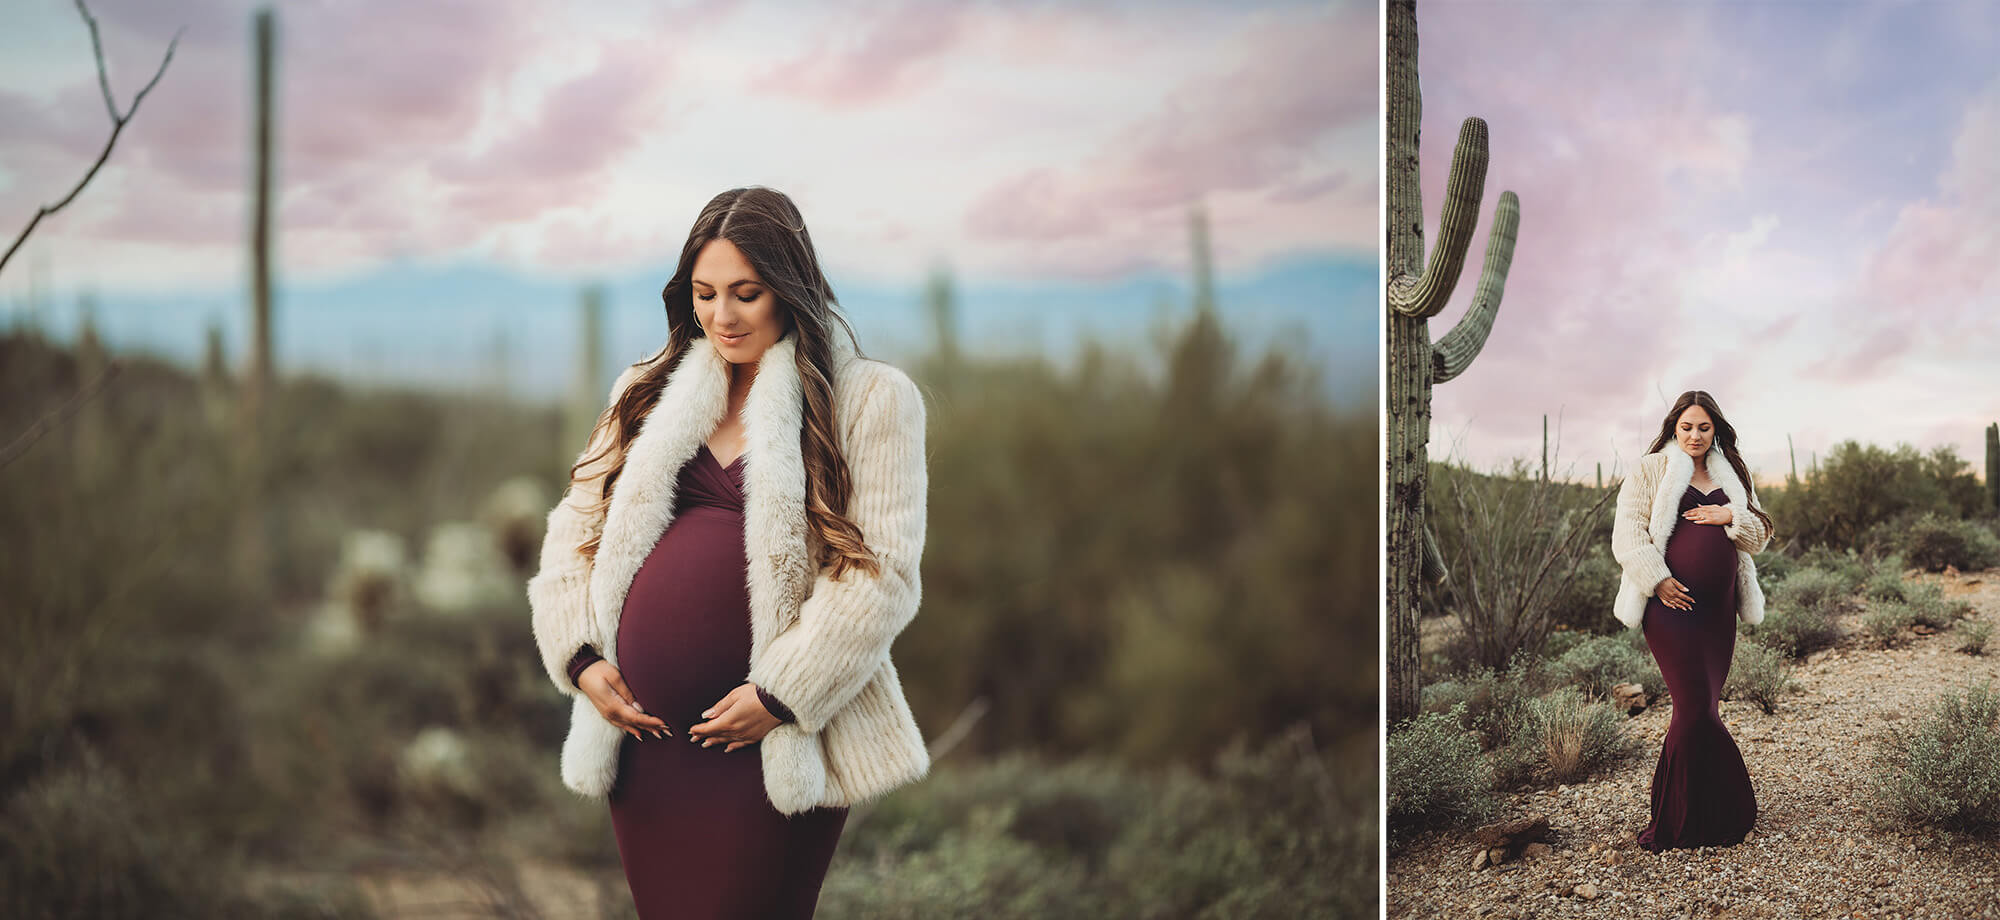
(1253,128)
(1602,170)
(886,57)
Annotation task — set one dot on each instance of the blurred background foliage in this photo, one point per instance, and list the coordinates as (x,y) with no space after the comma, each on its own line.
(1152,595)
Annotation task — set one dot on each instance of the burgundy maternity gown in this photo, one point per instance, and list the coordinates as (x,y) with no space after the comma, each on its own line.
(1701,789)
(696,833)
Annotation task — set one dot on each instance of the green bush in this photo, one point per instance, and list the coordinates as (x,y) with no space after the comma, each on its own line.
(1889,622)
(1774,567)
(1932,542)
(1857,488)
(1573,735)
(1798,615)
(1584,604)
(1945,770)
(1973,635)
(1885,586)
(1846,565)
(1276,831)
(1759,674)
(1490,704)
(1437,777)
(1818,587)
(1929,606)
(1601,662)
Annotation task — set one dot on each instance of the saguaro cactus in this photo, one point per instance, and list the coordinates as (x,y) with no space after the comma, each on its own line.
(1993,464)
(1416,292)
(256,527)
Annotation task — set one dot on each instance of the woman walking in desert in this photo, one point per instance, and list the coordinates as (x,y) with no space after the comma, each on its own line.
(720,584)
(1686,524)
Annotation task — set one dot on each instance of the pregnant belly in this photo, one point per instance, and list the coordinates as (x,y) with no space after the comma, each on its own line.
(684,635)
(1702,557)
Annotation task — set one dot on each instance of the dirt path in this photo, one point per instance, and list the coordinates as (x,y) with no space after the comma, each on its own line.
(1814,851)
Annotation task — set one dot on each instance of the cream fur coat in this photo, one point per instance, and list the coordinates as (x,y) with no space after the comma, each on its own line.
(1649,503)
(820,646)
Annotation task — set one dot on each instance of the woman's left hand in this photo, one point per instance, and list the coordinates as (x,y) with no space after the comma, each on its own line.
(1709,514)
(739,720)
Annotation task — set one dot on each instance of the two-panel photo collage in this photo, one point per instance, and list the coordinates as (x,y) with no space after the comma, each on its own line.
(1015,459)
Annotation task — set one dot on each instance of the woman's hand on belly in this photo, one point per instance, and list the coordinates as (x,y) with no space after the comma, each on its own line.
(1674,594)
(606,688)
(1709,514)
(739,720)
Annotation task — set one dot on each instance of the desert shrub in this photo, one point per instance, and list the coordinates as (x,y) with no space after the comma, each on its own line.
(1798,614)
(1973,635)
(1889,622)
(1584,603)
(1598,663)
(1847,567)
(1270,834)
(1573,734)
(1823,583)
(1929,606)
(1021,836)
(1945,770)
(1562,640)
(1491,704)
(1932,542)
(1437,777)
(1858,487)
(1884,586)
(1759,674)
(1774,567)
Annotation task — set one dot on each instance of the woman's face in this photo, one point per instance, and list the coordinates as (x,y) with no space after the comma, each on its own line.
(740,314)
(1695,431)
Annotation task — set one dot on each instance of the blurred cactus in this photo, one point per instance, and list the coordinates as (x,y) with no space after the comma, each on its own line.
(437,760)
(941,302)
(215,384)
(587,391)
(364,588)
(515,515)
(91,425)
(463,568)
(1200,363)
(256,528)
(1416,292)
(1993,464)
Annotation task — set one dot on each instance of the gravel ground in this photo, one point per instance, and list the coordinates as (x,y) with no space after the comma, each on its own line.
(1817,849)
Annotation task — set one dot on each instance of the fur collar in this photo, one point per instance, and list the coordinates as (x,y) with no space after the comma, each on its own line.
(1674,481)
(1676,472)
(775,536)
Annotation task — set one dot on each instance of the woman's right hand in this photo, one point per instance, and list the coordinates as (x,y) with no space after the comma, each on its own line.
(606,689)
(1673,594)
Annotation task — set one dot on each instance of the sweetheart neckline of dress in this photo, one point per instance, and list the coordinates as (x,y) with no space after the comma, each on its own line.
(739,458)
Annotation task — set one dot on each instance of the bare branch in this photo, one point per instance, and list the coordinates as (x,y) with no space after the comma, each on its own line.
(117,127)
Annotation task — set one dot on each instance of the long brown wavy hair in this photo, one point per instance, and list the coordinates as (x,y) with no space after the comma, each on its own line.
(769,230)
(1725,438)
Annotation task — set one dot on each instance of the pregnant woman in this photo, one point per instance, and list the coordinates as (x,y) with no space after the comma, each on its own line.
(1686,525)
(720,585)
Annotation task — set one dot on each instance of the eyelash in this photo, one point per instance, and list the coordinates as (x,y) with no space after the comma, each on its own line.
(750,299)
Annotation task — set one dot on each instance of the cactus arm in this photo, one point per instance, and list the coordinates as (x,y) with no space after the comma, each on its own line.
(1425,296)
(1454,353)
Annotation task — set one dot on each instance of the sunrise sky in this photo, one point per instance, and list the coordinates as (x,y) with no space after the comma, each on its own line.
(1794,206)
(453,170)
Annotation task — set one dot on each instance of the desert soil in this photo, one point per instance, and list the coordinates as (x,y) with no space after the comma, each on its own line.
(1818,849)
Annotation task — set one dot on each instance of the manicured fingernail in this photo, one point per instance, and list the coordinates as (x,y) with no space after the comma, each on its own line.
(709,714)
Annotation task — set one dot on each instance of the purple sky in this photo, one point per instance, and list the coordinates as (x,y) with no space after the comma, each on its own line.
(1794,206)
(1034,140)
